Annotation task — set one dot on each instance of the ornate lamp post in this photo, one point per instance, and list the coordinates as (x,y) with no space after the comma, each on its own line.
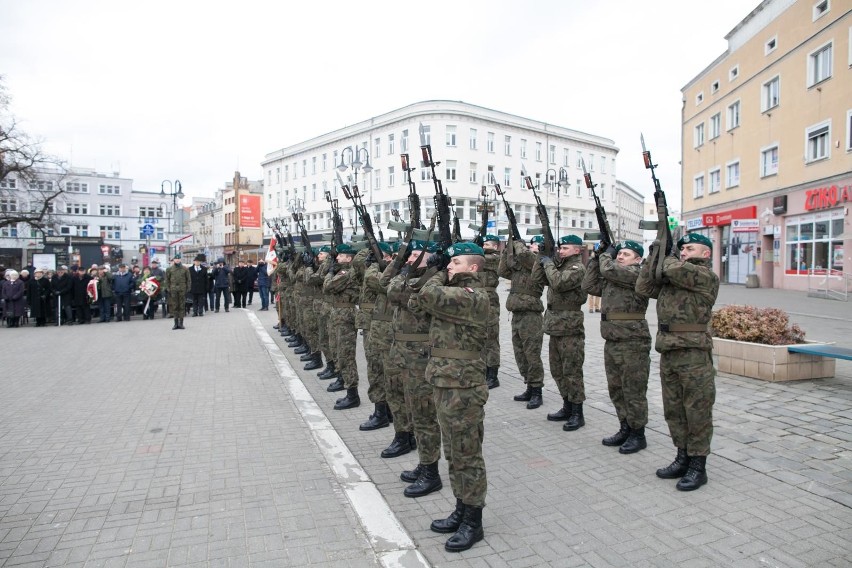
(561,185)
(175,192)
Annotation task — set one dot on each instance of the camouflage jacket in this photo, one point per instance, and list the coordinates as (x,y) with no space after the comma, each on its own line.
(177,279)
(490,278)
(372,281)
(686,296)
(459,310)
(366,297)
(404,320)
(279,278)
(317,279)
(516,264)
(616,285)
(565,296)
(341,287)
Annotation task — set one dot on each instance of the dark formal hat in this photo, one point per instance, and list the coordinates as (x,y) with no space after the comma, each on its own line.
(570,240)
(75,268)
(632,245)
(200,258)
(459,249)
(695,238)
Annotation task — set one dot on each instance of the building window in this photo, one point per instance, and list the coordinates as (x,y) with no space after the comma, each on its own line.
(699,98)
(296,170)
(425,135)
(819,65)
(698,187)
(698,138)
(403,142)
(603,164)
(507,177)
(732,174)
(110,232)
(9,232)
(770,45)
(552,153)
(451,170)
(325,162)
(714,87)
(472,176)
(733,119)
(715,180)
(113,189)
(391,176)
(473,138)
(83,209)
(286,173)
(817,145)
(490,142)
(579,187)
(523,149)
(715,125)
(390,144)
(734,72)
(591,163)
(538,151)
(579,159)
(849,130)
(76,187)
(489,177)
(110,210)
(305,168)
(451,136)
(8,205)
(814,242)
(566,158)
(507,145)
(821,9)
(377,179)
(769,161)
(377,148)
(314,165)
(770,94)
(8,183)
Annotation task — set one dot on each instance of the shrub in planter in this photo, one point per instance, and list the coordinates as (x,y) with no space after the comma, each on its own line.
(769,326)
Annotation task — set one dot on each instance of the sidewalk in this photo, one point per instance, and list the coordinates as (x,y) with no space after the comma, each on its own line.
(203,448)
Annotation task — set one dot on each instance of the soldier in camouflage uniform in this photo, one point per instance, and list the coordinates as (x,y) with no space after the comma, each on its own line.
(612,274)
(301,305)
(410,355)
(490,280)
(291,301)
(177,284)
(281,287)
(344,290)
(524,301)
(685,300)
(311,292)
(459,308)
(563,321)
(322,308)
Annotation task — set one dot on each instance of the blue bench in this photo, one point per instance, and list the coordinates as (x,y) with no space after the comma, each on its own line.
(822,351)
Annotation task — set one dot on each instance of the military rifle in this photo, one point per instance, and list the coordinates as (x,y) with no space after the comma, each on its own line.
(482,207)
(413,205)
(510,215)
(605,235)
(664,234)
(303,235)
(354,195)
(442,199)
(549,248)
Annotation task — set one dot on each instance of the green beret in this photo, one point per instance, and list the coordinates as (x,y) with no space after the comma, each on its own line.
(695,238)
(458,249)
(428,246)
(395,246)
(494,238)
(537,240)
(316,250)
(345,249)
(325,248)
(570,240)
(385,248)
(631,245)
(177,255)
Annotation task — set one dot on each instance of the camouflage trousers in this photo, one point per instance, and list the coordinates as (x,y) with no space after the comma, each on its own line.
(281,306)
(344,343)
(424,419)
(396,398)
(689,391)
(310,323)
(491,350)
(566,354)
(461,413)
(177,303)
(527,337)
(627,365)
(377,341)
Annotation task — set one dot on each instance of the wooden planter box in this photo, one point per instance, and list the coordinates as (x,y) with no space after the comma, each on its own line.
(769,362)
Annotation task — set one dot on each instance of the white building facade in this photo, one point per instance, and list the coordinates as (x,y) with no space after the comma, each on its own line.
(475,146)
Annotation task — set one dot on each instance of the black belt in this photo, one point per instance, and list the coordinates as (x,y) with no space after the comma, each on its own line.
(682,327)
(615,316)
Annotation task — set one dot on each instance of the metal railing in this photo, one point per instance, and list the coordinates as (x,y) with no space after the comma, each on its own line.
(829,283)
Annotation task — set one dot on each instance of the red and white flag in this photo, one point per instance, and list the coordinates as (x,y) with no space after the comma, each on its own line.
(271,257)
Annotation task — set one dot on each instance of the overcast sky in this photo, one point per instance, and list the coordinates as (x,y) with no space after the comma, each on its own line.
(193,90)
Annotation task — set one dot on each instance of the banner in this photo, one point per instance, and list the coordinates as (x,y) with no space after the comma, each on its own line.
(250,216)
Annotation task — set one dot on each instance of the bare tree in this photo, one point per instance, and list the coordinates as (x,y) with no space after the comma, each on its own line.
(31,181)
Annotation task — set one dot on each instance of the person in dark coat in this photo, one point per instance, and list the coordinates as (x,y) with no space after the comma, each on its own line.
(81,298)
(38,297)
(241,284)
(63,291)
(211,290)
(222,282)
(198,286)
(123,285)
(263,285)
(252,278)
(13,293)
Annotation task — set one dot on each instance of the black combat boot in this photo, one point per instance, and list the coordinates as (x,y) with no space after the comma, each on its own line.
(336,386)
(635,442)
(306,356)
(180,323)
(303,349)
(328,372)
(428,482)
(315,362)
(452,523)
(535,398)
(296,344)
(378,419)
(695,476)
(491,377)
(352,400)
(575,421)
(401,445)
(524,396)
(470,531)
(619,437)
(677,468)
(412,441)
(290,334)
(411,475)
(563,413)
(175,326)
(283,329)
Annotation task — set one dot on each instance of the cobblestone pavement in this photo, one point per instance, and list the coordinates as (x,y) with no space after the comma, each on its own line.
(188,449)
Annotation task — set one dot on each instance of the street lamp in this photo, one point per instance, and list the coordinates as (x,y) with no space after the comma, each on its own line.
(297,206)
(561,185)
(175,192)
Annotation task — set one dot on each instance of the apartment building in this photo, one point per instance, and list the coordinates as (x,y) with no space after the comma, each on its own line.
(767,145)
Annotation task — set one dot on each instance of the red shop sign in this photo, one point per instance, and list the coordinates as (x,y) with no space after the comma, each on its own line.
(725,217)
(827,197)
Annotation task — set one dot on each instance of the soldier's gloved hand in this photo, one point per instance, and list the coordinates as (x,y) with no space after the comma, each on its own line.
(544,260)
(439,261)
(306,258)
(610,250)
(653,248)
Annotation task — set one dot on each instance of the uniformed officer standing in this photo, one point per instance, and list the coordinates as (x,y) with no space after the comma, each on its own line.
(459,309)
(177,283)
(343,289)
(490,280)
(524,301)
(685,302)
(563,321)
(612,274)
(313,293)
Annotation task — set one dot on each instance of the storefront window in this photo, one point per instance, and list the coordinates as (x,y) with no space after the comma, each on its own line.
(814,242)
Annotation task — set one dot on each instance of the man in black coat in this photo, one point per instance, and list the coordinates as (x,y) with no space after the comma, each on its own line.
(63,290)
(198,286)
(252,268)
(241,283)
(81,280)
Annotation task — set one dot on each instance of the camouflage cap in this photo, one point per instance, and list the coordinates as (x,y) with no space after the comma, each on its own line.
(494,238)
(695,238)
(570,240)
(631,245)
(459,249)
(345,249)
(325,248)
(537,240)
(385,248)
